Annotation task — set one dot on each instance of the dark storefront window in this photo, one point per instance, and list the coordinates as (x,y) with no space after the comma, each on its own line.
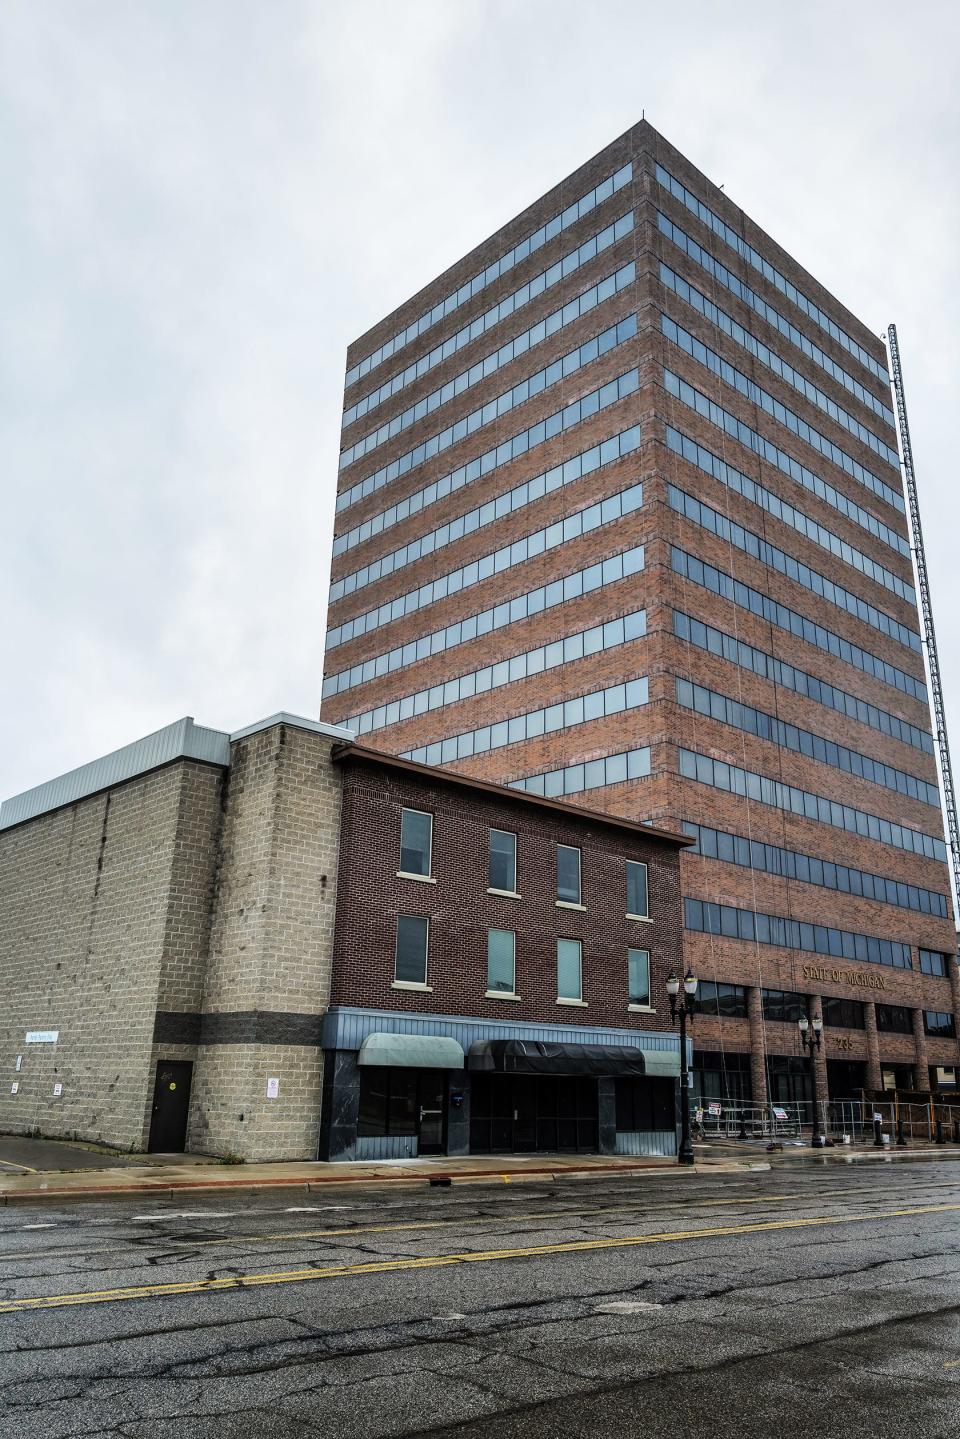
(722,1075)
(788,1079)
(520,1113)
(894,1019)
(845,1078)
(645,1104)
(939,1024)
(843,1013)
(729,1001)
(783,1005)
(388,1100)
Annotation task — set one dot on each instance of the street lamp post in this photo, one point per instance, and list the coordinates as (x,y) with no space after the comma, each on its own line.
(683,1012)
(811,1033)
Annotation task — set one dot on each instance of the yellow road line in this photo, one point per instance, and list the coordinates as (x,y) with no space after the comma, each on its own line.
(20,1168)
(438,1261)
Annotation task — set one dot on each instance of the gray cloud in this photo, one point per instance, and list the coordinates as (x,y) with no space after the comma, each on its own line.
(203,203)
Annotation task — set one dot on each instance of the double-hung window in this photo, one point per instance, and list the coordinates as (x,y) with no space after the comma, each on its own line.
(413,937)
(569,969)
(637,901)
(638,967)
(416,843)
(501,961)
(568,874)
(502,864)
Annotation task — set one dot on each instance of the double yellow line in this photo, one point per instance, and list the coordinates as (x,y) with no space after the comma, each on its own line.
(439,1261)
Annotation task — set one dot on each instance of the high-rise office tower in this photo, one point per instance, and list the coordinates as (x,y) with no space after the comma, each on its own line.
(620,518)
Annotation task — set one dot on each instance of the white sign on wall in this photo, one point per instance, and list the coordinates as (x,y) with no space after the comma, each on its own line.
(57,1090)
(19,1064)
(15,1086)
(273,1088)
(42,1036)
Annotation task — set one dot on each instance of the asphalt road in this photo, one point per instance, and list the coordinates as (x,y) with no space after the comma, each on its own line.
(826,1297)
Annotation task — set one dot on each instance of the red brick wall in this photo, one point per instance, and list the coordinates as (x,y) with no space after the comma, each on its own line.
(460,910)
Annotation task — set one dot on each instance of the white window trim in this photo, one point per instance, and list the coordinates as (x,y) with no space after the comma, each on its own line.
(578,1003)
(640,918)
(505,893)
(494,829)
(646,869)
(420,878)
(412,983)
(502,994)
(641,1009)
(568,903)
(408,809)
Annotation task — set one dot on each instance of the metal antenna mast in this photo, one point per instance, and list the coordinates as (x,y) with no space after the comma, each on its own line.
(926,609)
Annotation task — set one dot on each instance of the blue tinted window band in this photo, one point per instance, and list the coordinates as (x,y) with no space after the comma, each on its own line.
(754,258)
(526,389)
(707,461)
(566,714)
(785,327)
(725,921)
(773,612)
(804,525)
(592,774)
(720,775)
(789,419)
(507,450)
(502,310)
(777,559)
(521,607)
(723,420)
(810,869)
(527,246)
(800,741)
(610,635)
(566,473)
(603,512)
(489,364)
(770,360)
(758,662)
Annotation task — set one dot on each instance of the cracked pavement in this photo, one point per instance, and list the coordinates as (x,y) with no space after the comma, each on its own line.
(854,1318)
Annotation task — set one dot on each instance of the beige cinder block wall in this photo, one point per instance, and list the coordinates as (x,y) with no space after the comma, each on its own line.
(104,914)
(271,944)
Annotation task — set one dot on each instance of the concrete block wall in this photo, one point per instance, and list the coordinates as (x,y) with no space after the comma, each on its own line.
(101,916)
(271,947)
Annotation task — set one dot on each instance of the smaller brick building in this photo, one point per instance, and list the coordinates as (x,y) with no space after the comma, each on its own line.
(237,943)
(499,961)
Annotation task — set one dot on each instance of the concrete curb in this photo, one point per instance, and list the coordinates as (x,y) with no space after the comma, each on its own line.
(441,1179)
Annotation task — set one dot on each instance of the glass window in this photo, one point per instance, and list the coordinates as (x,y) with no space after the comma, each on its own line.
(568,874)
(412,937)
(933,963)
(843,1013)
(638,965)
(783,1005)
(502,869)
(501,961)
(416,842)
(894,1019)
(637,889)
(939,1024)
(569,978)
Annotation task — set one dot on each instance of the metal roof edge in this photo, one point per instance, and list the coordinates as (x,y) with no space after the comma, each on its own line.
(181,740)
(336,732)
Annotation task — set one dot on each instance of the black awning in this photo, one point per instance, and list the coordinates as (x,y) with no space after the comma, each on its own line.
(534,1056)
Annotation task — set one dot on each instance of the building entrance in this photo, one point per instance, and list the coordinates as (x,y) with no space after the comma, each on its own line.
(171,1106)
(845,1077)
(521,1113)
(404,1104)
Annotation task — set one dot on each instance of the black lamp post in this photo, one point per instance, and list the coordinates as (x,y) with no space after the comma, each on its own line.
(810,1037)
(682,1012)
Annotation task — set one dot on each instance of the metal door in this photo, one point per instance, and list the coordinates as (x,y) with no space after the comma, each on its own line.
(171,1104)
(431,1098)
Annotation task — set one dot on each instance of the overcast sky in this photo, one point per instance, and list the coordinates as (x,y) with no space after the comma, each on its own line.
(203,201)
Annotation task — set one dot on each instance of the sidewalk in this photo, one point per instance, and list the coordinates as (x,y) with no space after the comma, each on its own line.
(198,1175)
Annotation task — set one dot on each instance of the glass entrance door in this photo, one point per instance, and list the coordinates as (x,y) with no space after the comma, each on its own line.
(431,1097)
